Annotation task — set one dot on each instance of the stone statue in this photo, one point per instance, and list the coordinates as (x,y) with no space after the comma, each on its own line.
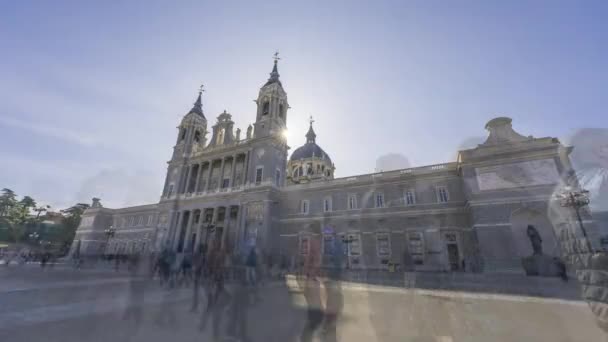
(535,240)
(96,203)
(238,134)
(249,129)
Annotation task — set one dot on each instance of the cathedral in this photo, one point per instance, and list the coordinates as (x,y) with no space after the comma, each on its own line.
(239,191)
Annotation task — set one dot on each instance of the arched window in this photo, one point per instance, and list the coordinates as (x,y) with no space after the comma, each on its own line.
(183,134)
(281,111)
(266,108)
(197,136)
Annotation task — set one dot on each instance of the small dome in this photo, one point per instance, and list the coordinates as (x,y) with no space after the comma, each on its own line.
(310,149)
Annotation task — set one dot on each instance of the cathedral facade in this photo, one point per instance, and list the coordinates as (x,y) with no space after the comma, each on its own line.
(239,191)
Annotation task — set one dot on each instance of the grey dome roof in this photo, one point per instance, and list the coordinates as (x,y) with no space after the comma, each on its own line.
(309,150)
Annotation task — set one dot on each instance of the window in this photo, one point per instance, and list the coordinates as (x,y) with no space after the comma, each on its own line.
(183,134)
(410,197)
(277,177)
(170,191)
(304,245)
(281,110)
(258,175)
(304,207)
(140,221)
(442,194)
(197,136)
(131,221)
(220,136)
(383,244)
(124,222)
(327,204)
(225,183)
(266,108)
(150,217)
(416,247)
(352,202)
(379,200)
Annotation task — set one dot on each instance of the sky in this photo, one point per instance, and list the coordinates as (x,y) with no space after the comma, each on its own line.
(91,92)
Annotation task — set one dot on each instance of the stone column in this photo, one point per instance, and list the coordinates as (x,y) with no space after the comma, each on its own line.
(246,168)
(177,231)
(198,177)
(199,231)
(209,175)
(233,170)
(226,223)
(187,179)
(188,235)
(222,173)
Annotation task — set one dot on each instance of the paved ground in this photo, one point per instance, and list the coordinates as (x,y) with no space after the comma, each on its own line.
(66,305)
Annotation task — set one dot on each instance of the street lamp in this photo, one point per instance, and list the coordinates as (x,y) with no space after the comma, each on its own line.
(110,234)
(34,236)
(576,199)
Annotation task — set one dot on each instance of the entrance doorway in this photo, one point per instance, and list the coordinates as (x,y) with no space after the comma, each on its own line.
(453,257)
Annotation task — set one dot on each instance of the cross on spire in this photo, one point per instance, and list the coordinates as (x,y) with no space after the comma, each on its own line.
(276,56)
(201,89)
(311,136)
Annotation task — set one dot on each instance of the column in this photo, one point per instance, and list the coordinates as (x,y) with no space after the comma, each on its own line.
(246,168)
(188,235)
(226,222)
(233,171)
(222,172)
(199,231)
(177,231)
(198,177)
(239,228)
(209,175)
(187,179)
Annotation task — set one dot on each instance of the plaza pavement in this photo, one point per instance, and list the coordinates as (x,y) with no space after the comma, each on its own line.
(68,305)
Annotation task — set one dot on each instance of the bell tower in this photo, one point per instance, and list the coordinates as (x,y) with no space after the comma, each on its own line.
(272,105)
(191,137)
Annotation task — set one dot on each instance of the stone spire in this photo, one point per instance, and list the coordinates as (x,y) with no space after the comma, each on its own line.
(311,136)
(198,105)
(274,75)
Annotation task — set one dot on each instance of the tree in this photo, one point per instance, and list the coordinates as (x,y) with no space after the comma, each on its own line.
(70,222)
(8,199)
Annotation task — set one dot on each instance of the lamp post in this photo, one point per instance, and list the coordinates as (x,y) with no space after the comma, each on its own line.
(110,234)
(34,236)
(576,199)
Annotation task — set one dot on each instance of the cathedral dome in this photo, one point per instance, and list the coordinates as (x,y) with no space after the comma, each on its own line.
(310,149)
(309,163)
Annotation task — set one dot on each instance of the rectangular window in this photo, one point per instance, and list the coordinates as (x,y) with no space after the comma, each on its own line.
(277,177)
(416,247)
(258,175)
(304,245)
(170,191)
(140,221)
(150,218)
(131,221)
(225,183)
(352,202)
(327,205)
(410,197)
(304,207)
(442,194)
(379,200)
(383,244)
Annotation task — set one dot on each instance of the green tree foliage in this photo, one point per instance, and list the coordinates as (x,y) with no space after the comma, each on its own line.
(70,222)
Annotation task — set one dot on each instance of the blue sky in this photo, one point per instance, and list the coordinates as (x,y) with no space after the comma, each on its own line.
(91,92)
